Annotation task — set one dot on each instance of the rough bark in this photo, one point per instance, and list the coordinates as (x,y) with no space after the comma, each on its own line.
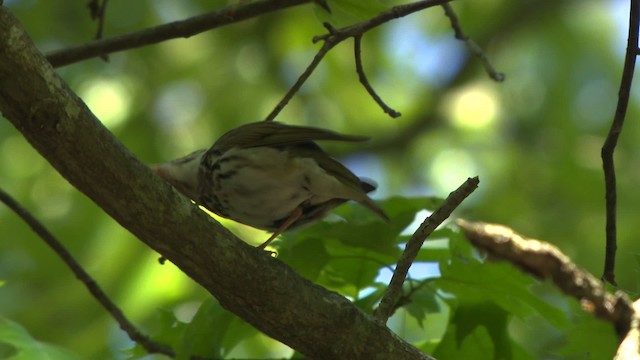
(260,289)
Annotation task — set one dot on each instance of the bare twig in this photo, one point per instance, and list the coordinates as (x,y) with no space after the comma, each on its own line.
(336,36)
(98,11)
(84,277)
(472,45)
(546,261)
(173,30)
(365,82)
(391,295)
(610,143)
(303,77)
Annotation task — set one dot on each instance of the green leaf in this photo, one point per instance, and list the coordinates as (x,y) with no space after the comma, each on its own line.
(306,254)
(213,332)
(367,302)
(586,329)
(434,251)
(349,275)
(422,302)
(22,346)
(472,281)
(476,331)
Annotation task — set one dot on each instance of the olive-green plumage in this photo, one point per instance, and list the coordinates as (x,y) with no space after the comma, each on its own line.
(270,176)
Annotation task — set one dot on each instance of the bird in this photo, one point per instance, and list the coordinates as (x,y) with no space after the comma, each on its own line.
(269,175)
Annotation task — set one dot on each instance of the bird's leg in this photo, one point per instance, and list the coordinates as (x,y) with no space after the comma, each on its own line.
(295,215)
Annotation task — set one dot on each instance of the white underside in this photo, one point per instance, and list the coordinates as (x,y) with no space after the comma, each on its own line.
(274,185)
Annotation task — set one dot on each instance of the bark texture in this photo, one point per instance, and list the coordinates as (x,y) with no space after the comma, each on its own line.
(261,290)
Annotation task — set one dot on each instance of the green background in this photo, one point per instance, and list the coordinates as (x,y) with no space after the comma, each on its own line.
(533,140)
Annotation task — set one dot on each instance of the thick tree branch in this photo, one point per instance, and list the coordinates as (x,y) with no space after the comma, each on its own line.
(261,290)
(610,143)
(173,30)
(546,261)
(390,297)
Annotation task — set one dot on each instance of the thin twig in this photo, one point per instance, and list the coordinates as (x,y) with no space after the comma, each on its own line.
(98,11)
(101,15)
(365,82)
(405,299)
(173,30)
(385,16)
(391,295)
(472,45)
(84,277)
(610,143)
(546,261)
(335,36)
(303,77)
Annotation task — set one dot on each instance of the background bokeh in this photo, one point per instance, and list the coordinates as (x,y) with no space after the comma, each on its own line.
(533,140)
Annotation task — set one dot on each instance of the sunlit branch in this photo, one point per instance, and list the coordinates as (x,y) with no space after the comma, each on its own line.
(546,261)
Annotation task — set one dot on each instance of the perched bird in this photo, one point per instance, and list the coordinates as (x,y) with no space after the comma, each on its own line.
(270,176)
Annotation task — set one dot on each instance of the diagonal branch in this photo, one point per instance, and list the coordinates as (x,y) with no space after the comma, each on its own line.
(546,261)
(610,143)
(301,80)
(84,277)
(173,30)
(472,45)
(390,297)
(259,289)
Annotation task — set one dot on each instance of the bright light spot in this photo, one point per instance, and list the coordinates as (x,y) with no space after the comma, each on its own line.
(474,108)
(144,293)
(187,310)
(450,168)
(52,196)
(108,99)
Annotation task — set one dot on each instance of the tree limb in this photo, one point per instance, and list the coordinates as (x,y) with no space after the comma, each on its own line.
(246,281)
(546,261)
(173,30)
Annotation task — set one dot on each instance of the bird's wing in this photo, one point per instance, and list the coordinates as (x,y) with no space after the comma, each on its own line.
(355,187)
(270,133)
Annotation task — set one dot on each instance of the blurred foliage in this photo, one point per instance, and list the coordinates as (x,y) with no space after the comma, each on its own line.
(534,140)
